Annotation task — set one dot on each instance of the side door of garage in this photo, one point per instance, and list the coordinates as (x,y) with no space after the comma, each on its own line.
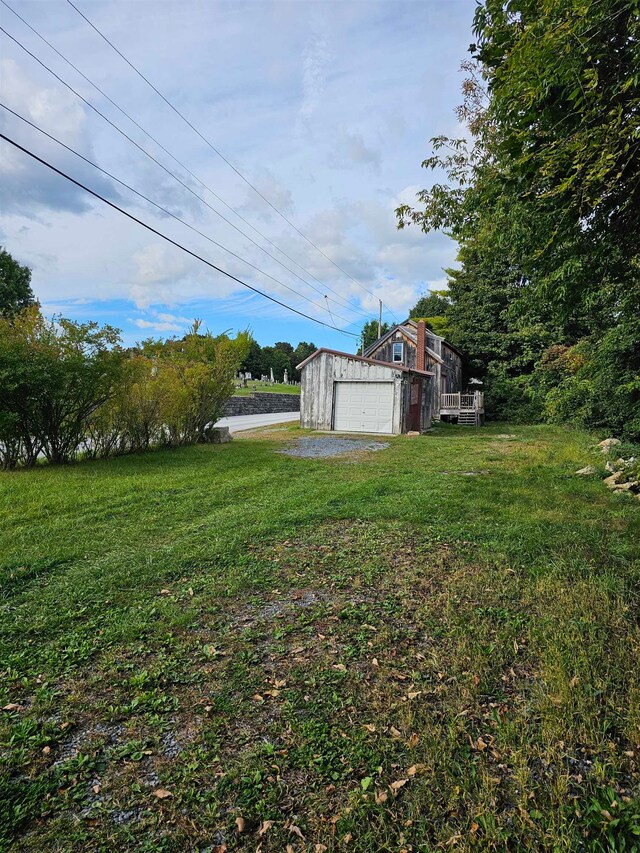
(363,407)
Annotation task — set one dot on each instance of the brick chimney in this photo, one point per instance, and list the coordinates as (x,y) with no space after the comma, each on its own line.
(421,346)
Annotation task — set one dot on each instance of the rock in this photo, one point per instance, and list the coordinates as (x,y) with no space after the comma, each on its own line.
(624,487)
(217,435)
(626,463)
(588,471)
(412,433)
(614,480)
(608,443)
(611,468)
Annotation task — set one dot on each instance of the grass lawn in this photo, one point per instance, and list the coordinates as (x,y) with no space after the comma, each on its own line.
(431,647)
(260,387)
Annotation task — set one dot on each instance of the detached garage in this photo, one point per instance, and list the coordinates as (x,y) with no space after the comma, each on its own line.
(349,393)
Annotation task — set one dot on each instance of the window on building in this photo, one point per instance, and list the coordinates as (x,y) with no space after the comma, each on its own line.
(398,352)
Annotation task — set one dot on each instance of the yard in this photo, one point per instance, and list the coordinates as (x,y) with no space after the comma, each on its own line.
(431,646)
(254,386)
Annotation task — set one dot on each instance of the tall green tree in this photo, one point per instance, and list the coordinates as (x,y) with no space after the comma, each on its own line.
(302,351)
(435,303)
(545,199)
(370,332)
(15,285)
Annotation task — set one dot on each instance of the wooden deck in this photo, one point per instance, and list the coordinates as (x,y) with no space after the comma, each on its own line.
(467,408)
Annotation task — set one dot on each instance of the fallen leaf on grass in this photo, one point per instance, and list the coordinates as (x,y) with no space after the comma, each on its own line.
(289,848)
(320,848)
(381,797)
(13,706)
(400,783)
(413,741)
(257,697)
(374,662)
(415,769)
(395,732)
(340,667)
(96,789)
(165,592)
(240,824)
(162,793)
(370,727)
(347,838)
(296,831)
(414,694)
(265,826)
(480,744)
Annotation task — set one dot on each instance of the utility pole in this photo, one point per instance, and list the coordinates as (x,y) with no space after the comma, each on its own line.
(380,319)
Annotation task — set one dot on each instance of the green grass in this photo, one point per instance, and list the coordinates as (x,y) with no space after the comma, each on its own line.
(261,387)
(376,652)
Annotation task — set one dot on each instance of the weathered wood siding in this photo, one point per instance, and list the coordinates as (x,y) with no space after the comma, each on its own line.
(318,381)
(385,351)
(426,403)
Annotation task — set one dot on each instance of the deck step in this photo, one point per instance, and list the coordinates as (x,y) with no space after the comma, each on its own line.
(468,419)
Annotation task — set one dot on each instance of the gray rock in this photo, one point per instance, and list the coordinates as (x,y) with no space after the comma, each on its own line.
(608,443)
(610,468)
(217,435)
(588,471)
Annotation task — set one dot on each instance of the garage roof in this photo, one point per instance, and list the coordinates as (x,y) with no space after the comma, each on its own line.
(373,361)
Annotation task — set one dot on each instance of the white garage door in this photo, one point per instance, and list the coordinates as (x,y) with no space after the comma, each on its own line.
(363,407)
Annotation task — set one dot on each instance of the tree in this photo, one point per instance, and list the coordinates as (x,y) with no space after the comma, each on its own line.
(434,304)
(15,285)
(302,351)
(254,361)
(370,333)
(56,374)
(545,201)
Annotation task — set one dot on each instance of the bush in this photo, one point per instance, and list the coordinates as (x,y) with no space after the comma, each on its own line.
(601,387)
(68,386)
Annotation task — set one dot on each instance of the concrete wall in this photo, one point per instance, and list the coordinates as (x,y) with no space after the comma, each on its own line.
(262,403)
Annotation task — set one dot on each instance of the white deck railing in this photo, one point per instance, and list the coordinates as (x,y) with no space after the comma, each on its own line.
(458,401)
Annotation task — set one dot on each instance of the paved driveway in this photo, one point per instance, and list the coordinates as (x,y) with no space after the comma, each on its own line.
(240,422)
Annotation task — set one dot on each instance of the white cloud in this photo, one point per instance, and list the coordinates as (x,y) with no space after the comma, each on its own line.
(162,322)
(315,57)
(27,187)
(352,150)
(330,114)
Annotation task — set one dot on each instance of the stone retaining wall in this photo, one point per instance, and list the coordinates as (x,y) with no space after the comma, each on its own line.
(262,404)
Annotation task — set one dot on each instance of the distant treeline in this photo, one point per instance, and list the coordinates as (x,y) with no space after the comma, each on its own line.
(281,356)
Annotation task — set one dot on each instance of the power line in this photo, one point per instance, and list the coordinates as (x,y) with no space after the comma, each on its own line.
(169,239)
(168,212)
(161,165)
(186,168)
(220,154)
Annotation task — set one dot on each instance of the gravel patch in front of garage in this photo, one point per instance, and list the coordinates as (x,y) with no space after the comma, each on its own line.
(320,448)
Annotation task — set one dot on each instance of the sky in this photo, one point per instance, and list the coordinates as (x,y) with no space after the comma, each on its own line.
(326,108)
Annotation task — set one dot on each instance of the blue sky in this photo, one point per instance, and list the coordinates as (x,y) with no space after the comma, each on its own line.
(326,107)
